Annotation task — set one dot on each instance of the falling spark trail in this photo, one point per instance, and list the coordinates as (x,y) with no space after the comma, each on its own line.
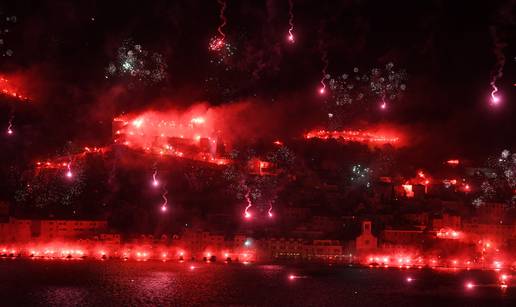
(165,201)
(222,18)
(494,99)
(324,59)
(383,106)
(290,21)
(247,214)
(10,126)
(155,182)
(500,63)
(69,173)
(270,210)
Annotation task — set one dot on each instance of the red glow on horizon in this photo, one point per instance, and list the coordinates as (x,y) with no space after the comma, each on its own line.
(447,233)
(8,88)
(353,136)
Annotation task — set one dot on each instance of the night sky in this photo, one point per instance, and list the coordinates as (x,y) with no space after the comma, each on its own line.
(62,49)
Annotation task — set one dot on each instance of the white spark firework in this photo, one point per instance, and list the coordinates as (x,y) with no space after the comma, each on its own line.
(137,63)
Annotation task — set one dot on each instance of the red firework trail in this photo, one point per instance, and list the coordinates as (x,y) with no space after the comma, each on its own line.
(165,200)
(247,214)
(290,21)
(324,59)
(494,98)
(222,18)
(10,126)
(383,105)
(155,181)
(270,210)
(69,173)
(500,63)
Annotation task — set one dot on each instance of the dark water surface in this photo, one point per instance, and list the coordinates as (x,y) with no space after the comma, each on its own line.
(153,283)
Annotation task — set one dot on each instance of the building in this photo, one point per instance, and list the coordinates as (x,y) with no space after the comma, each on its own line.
(412,237)
(16,230)
(48,230)
(447,221)
(366,241)
(420,218)
(202,244)
(324,250)
(282,248)
(496,232)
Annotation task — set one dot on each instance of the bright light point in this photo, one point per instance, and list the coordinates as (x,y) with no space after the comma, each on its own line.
(163,208)
(495,99)
(383,106)
(290,38)
(138,123)
(247,215)
(470,285)
(217,44)
(291,277)
(192,268)
(155,183)
(409,279)
(248,242)
(9,131)
(69,174)
(197,120)
(270,214)
(322,90)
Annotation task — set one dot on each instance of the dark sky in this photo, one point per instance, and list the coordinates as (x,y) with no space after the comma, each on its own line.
(447,48)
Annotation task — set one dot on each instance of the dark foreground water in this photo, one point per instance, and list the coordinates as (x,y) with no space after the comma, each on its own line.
(152,283)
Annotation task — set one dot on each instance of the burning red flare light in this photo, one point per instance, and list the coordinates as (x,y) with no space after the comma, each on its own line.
(353,136)
(9,89)
(183,135)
